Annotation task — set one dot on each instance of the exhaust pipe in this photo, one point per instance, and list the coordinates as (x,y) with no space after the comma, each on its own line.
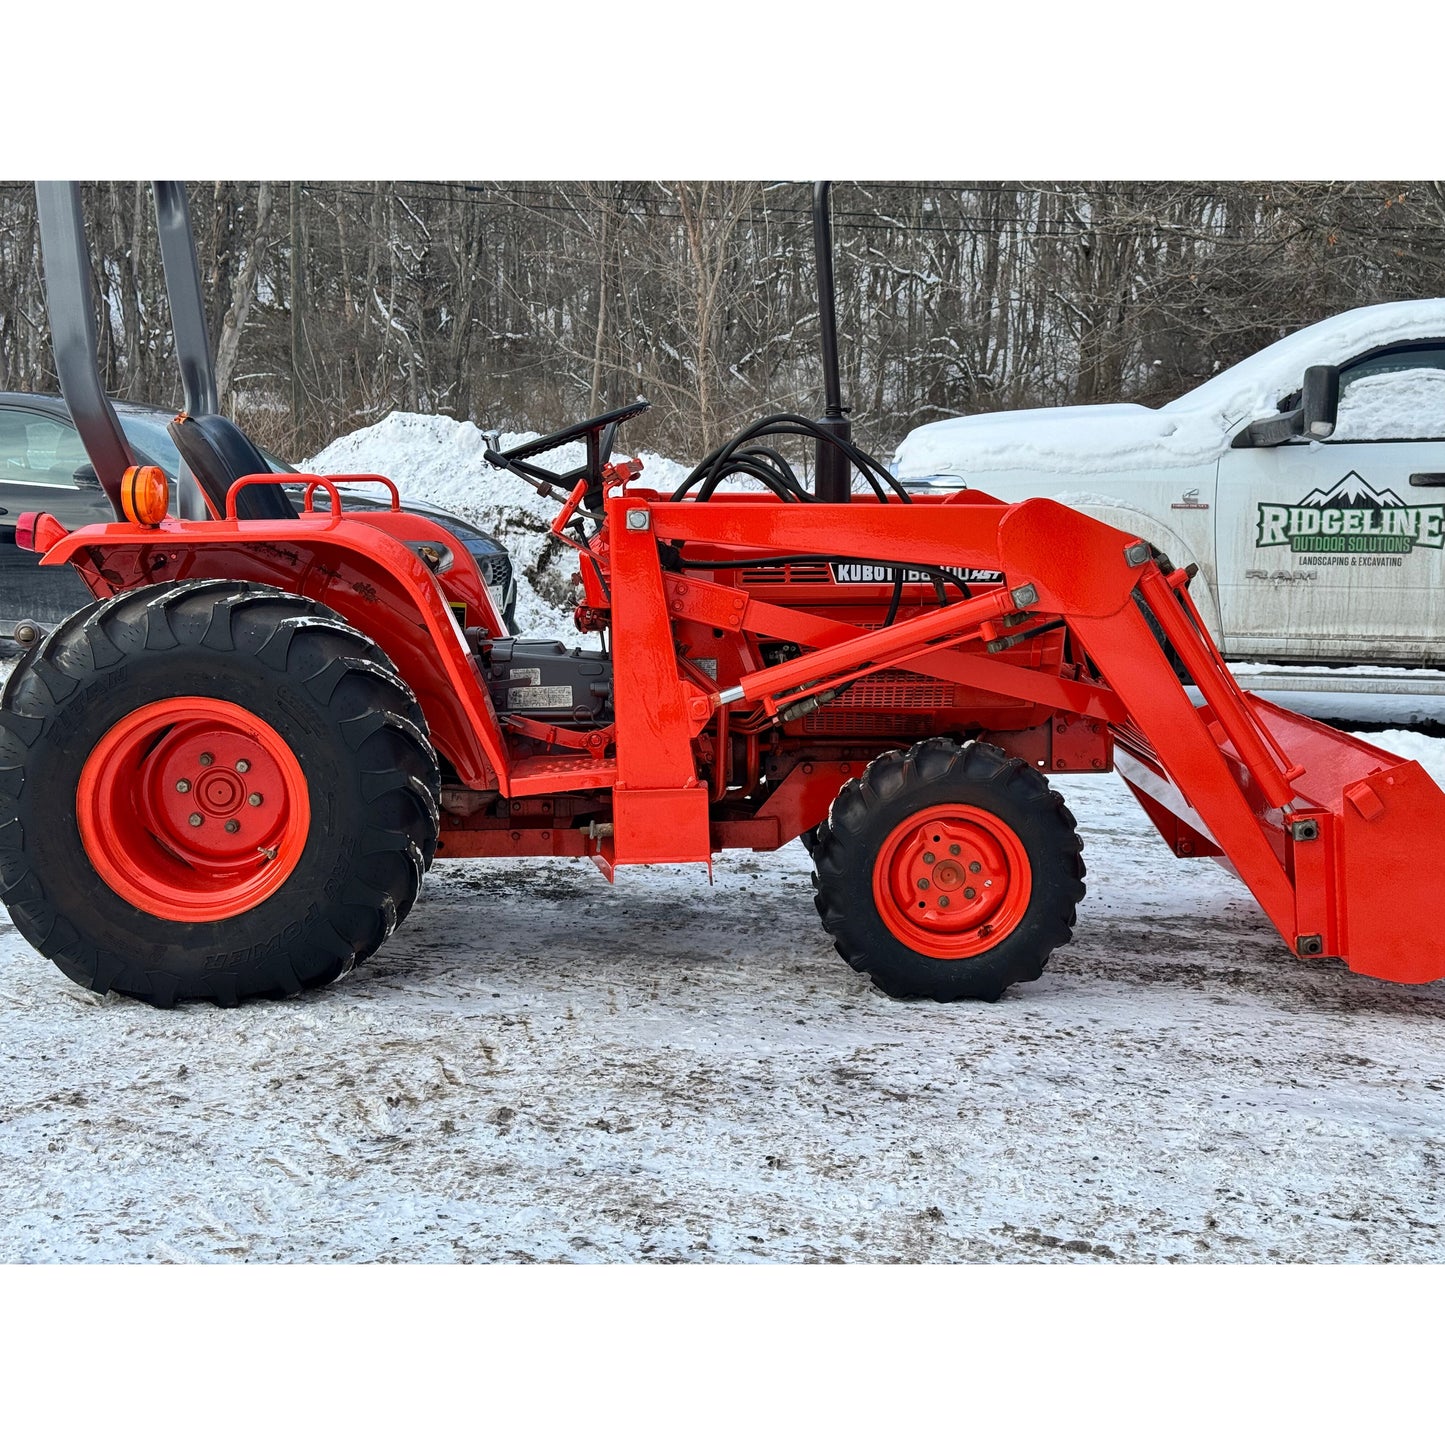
(833,477)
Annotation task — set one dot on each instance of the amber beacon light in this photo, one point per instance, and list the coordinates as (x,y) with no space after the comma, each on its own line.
(145,494)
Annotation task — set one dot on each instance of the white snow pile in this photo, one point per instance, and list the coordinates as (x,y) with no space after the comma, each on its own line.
(439,460)
(1393,406)
(1191,431)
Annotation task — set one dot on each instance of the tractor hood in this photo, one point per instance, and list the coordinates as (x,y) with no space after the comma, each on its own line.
(1061,439)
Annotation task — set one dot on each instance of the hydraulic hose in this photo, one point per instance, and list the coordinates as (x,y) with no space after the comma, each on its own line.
(727,460)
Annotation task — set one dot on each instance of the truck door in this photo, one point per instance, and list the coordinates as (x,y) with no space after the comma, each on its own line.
(1333,550)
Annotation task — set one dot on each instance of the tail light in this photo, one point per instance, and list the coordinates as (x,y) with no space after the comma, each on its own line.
(38,531)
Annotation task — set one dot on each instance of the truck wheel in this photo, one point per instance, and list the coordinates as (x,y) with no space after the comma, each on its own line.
(212,790)
(949,872)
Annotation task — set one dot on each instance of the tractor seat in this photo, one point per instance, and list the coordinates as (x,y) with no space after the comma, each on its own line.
(219,453)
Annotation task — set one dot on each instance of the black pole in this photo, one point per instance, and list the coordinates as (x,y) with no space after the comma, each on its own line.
(833,480)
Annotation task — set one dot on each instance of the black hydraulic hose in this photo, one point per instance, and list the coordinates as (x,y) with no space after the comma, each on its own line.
(775,462)
(718,463)
(779,461)
(896,598)
(791,424)
(741,466)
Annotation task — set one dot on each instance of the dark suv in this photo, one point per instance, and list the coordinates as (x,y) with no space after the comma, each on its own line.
(44,468)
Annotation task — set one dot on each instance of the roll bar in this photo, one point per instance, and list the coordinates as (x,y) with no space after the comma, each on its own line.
(71,307)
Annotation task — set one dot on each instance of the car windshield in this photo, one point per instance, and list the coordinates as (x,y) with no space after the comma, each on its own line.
(146,430)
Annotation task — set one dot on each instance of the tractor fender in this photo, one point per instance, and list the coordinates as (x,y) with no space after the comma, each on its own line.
(1150,529)
(366,575)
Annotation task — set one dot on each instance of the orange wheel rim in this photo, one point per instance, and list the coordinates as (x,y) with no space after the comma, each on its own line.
(193,809)
(952,881)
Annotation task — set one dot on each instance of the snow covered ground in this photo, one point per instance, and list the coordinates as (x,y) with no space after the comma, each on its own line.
(540,1067)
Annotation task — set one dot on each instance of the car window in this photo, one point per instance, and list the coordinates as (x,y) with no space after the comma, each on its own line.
(38,449)
(1397,395)
(147,434)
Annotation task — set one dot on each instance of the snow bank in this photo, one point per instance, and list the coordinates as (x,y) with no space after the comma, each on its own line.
(439,460)
(1429,752)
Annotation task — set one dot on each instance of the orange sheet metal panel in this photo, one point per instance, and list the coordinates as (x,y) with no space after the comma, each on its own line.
(660,810)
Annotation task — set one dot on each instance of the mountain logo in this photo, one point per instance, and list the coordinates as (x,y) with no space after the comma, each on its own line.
(1352,516)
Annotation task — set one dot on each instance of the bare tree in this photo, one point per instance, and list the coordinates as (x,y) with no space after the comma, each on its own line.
(525,304)
(243,296)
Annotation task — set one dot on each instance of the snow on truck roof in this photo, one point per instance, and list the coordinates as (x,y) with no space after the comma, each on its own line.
(1184,432)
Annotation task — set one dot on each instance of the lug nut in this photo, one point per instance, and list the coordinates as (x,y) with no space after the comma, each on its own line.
(184,786)
(232,826)
(196,820)
(923,883)
(206,760)
(928,857)
(254,800)
(970,893)
(943,900)
(975,866)
(954,849)
(243,766)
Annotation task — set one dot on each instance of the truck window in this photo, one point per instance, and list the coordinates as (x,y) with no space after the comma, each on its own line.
(1394,395)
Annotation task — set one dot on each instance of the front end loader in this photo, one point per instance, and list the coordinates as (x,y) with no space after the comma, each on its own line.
(227,776)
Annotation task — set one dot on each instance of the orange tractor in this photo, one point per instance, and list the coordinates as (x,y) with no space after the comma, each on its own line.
(228,775)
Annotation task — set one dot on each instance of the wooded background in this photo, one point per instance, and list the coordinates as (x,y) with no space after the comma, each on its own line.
(531,304)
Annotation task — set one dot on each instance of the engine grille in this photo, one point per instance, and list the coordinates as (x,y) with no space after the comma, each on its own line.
(497,569)
(836,719)
(788,572)
(883,702)
(899,692)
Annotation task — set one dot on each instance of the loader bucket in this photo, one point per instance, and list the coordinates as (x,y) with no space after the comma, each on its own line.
(1356,847)
(1334,836)
(1389,820)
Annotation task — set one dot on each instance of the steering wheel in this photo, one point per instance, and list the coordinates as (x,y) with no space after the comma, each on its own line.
(593,425)
(599,432)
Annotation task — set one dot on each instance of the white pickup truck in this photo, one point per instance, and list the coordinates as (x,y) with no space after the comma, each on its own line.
(1315,507)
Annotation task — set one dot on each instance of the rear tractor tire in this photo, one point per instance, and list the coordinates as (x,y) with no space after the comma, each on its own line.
(211,790)
(948,872)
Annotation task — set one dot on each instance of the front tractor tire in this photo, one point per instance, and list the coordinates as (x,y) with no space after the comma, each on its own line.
(948,872)
(211,790)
